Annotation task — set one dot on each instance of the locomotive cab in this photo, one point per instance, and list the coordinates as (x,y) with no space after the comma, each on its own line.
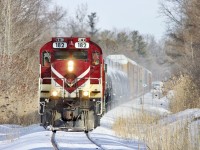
(71,83)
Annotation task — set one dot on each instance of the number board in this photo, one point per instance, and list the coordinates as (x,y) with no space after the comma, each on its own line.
(81,45)
(59,45)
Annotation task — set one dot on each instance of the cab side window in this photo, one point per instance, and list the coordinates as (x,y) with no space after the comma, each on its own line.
(95,58)
(46,59)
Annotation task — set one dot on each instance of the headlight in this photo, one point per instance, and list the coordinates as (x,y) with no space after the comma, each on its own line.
(54,93)
(85,93)
(70,66)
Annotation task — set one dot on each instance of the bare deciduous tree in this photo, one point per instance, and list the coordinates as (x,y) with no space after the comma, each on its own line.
(183,47)
(184,30)
(24,27)
(77,25)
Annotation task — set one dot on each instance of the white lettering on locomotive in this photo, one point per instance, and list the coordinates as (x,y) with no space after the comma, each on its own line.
(81,45)
(59,45)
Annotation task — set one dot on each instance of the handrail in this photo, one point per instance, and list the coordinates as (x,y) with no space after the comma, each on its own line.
(46,78)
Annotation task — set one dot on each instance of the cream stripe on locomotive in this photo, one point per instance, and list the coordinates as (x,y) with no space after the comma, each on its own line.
(85,86)
(56,73)
(83,74)
(75,81)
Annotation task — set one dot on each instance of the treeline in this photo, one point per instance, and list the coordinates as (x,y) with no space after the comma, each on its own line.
(183,49)
(115,41)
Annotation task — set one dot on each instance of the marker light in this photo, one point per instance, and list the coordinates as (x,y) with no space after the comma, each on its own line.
(85,93)
(70,66)
(54,93)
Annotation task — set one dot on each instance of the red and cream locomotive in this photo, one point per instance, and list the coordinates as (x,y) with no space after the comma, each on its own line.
(71,83)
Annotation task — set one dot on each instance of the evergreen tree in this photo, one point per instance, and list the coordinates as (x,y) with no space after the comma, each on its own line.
(92,21)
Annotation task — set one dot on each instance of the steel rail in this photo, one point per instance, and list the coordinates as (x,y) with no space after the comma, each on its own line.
(89,138)
(53,141)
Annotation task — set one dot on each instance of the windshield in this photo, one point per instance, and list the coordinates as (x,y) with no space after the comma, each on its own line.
(76,54)
(79,54)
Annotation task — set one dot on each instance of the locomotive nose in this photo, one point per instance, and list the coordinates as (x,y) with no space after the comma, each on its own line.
(72,72)
(70,77)
(69,68)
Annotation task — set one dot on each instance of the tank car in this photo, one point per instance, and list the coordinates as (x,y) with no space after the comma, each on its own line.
(71,83)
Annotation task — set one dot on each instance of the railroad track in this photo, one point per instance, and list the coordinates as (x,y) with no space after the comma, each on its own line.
(100,147)
(53,141)
(86,139)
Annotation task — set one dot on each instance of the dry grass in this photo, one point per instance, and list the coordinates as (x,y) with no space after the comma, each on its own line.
(178,135)
(134,126)
(174,136)
(187,93)
(18,86)
(18,110)
(170,137)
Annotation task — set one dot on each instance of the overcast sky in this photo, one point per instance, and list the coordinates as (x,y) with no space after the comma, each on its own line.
(141,15)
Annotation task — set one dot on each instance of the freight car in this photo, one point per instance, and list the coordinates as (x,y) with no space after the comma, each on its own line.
(133,79)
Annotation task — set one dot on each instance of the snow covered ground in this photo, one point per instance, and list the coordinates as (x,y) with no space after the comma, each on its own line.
(14,137)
